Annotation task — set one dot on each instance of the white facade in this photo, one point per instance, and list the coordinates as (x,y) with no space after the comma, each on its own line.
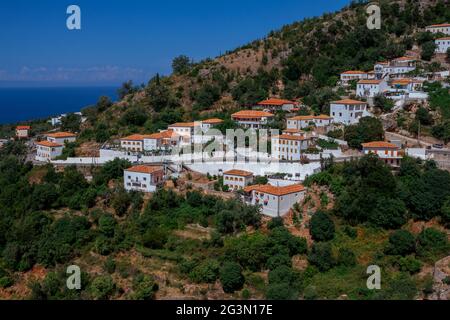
(388,152)
(61,137)
(348,76)
(46,151)
(395,68)
(290,147)
(143,178)
(370,88)
(252,119)
(186,130)
(133,143)
(443,44)
(210,124)
(348,111)
(237,179)
(275,201)
(439,28)
(22,132)
(302,122)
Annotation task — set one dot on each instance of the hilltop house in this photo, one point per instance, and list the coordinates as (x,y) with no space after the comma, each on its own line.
(388,152)
(163,140)
(237,179)
(47,150)
(348,76)
(290,145)
(143,178)
(133,143)
(301,122)
(22,132)
(370,88)
(442,44)
(395,68)
(439,28)
(186,130)
(210,124)
(348,111)
(252,119)
(274,105)
(274,201)
(61,137)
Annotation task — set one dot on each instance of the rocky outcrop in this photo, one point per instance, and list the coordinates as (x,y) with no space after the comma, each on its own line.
(441,290)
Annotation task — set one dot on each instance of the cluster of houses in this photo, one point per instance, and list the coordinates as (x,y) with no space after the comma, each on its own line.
(53,146)
(443,43)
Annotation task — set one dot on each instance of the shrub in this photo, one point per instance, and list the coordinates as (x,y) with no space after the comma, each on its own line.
(102,287)
(346,257)
(322,257)
(231,277)
(278,261)
(322,227)
(205,272)
(401,242)
(409,264)
(281,291)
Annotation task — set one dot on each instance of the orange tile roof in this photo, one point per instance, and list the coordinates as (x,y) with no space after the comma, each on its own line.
(439,25)
(380,144)
(49,144)
(276,191)
(291,137)
(293,131)
(23,128)
(61,135)
(275,102)
(402,81)
(240,173)
(251,114)
(354,72)
(404,59)
(370,81)
(184,125)
(134,137)
(444,38)
(213,121)
(348,101)
(303,118)
(145,169)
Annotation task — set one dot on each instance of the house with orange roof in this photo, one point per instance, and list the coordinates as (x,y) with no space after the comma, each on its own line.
(164,140)
(394,68)
(274,104)
(388,152)
(22,132)
(209,124)
(61,137)
(252,119)
(302,122)
(439,28)
(290,146)
(442,45)
(186,130)
(351,75)
(370,88)
(143,178)
(237,179)
(133,143)
(47,150)
(274,201)
(348,111)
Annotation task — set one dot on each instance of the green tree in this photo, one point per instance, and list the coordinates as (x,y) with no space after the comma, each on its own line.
(231,277)
(321,256)
(181,64)
(368,129)
(102,287)
(321,227)
(428,49)
(401,242)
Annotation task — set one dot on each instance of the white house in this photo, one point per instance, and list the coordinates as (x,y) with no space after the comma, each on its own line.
(252,118)
(163,140)
(22,132)
(46,150)
(370,88)
(237,179)
(143,178)
(439,28)
(388,152)
(301,122)
(133,143)
(348,76)
(348,111)
(186,130)
(443,44)
(274,104)
(61,137)
(210,124)
(395,68)
(290,146)
(275,201)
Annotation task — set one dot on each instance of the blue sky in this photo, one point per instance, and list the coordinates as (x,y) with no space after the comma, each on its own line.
(132,39)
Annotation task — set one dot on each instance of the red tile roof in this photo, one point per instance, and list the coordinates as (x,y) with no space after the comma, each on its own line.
(439,25)
(184,125)
(444,38)
(354,72)
(240,173)
(134,137)
(145,169)
(23,128)
(380,144)
(348,101)
(245,114)
(161,135)
(275,102)
(303,118)
(291,137)
(370,81)
(276,191)
(213,121)
(59,135)
(49,144)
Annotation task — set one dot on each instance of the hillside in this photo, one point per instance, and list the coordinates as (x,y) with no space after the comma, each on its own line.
(301,60)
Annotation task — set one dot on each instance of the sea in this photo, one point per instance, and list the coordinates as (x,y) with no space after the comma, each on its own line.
(23,104)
